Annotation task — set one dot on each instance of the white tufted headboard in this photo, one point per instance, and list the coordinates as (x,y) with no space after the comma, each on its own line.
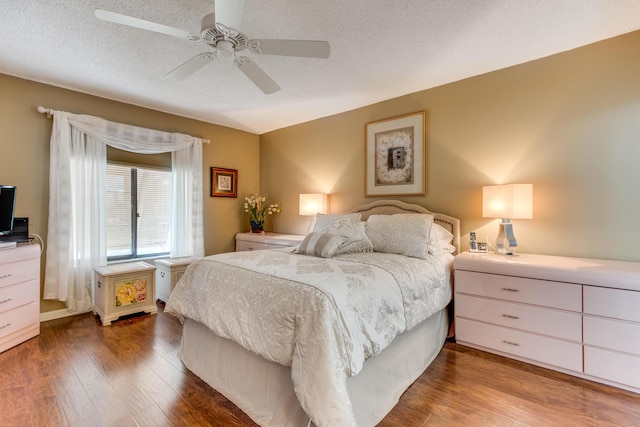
(390,207)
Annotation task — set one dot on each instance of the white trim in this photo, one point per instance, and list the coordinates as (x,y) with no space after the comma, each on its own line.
(55,314)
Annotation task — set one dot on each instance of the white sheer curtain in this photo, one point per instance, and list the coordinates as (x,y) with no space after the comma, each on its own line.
(76,238)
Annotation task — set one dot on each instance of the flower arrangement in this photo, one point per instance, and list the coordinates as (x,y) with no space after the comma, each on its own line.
(257,208)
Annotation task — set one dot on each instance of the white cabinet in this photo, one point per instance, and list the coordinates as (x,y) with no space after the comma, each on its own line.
(125,288)
(255,241)
(19,294)
(612,334)
(533,319)
(168,272)
(578,316)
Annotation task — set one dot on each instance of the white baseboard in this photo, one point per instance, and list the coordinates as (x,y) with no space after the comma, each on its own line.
(55,314)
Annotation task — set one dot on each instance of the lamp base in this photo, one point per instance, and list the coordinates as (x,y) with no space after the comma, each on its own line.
(506,242)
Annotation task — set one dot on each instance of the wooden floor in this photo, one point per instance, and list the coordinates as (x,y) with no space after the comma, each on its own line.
(79,373)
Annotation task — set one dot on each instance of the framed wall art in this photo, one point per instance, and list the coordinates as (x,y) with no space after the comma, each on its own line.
(224,182)
(395,156)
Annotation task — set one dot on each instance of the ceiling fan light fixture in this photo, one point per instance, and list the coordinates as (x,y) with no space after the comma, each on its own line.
(225,48)
(226,41)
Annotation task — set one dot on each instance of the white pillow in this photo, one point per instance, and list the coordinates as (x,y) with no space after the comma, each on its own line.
(325,220)
(322,245)
(356,239)
(440,240)
(403,234)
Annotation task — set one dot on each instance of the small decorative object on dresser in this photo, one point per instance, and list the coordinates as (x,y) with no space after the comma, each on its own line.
(168,272)
(19,294)
(577,316)
(257,208)
(252,241)
(125,288)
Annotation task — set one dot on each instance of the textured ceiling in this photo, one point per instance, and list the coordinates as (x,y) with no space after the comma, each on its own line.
(380,49)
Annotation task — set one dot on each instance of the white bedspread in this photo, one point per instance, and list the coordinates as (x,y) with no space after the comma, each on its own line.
(322,317)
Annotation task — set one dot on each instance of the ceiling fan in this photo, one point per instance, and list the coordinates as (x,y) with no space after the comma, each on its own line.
(218,30)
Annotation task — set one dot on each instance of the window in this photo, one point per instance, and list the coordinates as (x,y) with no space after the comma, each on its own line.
(138,211)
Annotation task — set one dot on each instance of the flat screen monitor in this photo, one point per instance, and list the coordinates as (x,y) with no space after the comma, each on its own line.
(7,206)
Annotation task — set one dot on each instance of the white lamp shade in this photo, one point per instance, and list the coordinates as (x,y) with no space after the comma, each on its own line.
(314,203)
(510,201)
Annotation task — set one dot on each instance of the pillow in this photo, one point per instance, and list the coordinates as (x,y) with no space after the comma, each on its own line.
(325,220)
(440,240)
(322,245)
(403,234)
(356,239)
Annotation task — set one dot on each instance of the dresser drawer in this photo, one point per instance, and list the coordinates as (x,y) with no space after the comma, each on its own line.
(565,296)
(16,295)
(18,272)
(19,318)
(555,323)
(612,334)
(552,351)
(242,245)
(613,366)
(614,303)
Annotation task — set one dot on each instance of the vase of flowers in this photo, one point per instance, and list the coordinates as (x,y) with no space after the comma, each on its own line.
(258,209)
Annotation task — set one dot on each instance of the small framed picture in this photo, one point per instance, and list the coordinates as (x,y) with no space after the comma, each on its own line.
(224,182)
(482,247)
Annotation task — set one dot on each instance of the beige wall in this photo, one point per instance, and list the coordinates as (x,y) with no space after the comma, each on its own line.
(24,154)
(569,124)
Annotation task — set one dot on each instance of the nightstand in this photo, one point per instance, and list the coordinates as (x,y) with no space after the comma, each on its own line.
(19,294)
(168,272)
(255,241)
(125,288)
(573,315)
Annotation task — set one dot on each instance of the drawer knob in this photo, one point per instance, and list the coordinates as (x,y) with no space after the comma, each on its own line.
(7,300)
(510,316)
(5,276)
(5,326)
(511,290)
(515,344)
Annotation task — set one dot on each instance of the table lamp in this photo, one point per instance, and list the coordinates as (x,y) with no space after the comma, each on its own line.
(312,204)
(507,202)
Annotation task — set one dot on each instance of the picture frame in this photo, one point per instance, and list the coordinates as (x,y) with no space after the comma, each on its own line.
(395,156)
(224,182)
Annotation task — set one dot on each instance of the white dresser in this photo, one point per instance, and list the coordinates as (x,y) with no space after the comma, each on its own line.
(255,241)
(575,315)
(19,294)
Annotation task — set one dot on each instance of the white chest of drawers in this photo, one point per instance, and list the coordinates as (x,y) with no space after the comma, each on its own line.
(578,316)
(255,241)
(19,295)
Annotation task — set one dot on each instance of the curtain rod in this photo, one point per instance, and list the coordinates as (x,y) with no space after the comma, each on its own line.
(49,113)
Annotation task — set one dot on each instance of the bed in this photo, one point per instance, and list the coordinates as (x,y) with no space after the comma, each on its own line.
(322,337)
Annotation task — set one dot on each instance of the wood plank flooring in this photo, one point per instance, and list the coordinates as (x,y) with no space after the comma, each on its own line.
(79,373)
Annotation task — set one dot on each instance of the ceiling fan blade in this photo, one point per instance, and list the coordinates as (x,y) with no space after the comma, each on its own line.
(256,75)
(303,48)
(190,66)
(117,18)
(229,12)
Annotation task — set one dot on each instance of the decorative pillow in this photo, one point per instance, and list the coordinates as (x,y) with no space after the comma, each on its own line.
(403,234)
(355,234)
(325,220)
(440,240)
(320,244)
